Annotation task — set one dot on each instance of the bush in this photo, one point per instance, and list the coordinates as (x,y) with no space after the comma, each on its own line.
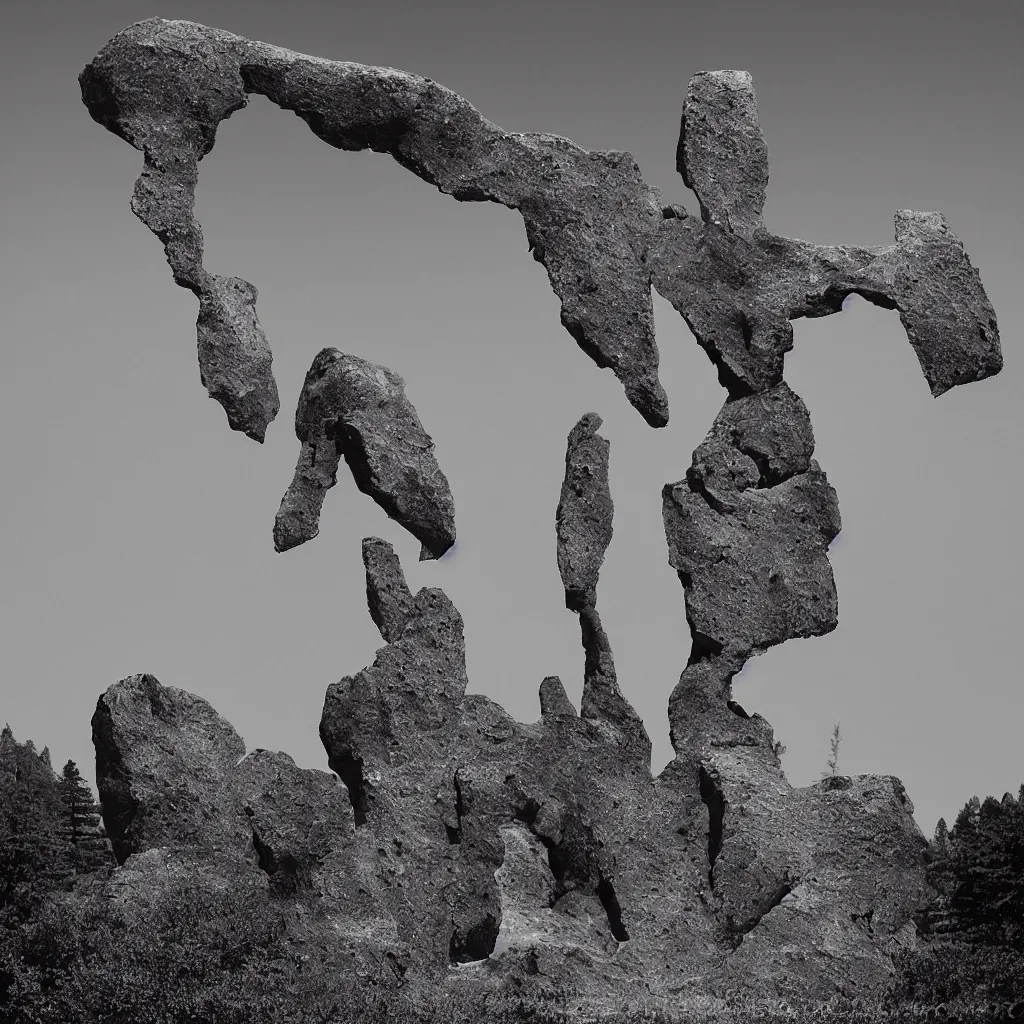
(194,954)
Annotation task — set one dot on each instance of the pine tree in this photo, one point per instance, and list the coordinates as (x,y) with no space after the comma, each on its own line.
(987,900)
(34,858)
(833,758)
(966,820)
(82,826)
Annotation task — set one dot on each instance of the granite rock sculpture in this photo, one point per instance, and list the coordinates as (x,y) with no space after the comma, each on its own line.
(453,845)
(591,220)
(357,409)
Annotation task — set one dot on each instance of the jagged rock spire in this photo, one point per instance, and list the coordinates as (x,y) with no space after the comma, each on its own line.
(357,409)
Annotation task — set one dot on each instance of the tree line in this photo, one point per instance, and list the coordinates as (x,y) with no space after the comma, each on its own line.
(973,929)
(50,828)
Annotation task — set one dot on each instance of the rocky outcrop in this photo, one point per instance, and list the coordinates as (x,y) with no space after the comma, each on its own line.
(467,848)
(453,845)
(462,847)
(358,410)
(598,228)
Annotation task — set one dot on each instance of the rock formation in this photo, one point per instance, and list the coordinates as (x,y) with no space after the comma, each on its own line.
(591,220)
(461,847)
(583,521)
(354,408)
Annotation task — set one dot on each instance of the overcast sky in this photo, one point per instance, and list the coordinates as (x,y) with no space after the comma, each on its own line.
(137,527)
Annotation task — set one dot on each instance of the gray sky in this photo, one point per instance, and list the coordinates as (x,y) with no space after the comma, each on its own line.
(137,526)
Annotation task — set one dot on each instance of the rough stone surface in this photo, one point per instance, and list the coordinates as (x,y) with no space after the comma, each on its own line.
(471,849)
(387,594)
(749,528)
(461,847)
(357,409)
(466,848)
(597,227)
(583,520)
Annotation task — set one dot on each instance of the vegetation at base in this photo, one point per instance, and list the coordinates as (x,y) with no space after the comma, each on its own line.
(973,951)
(71,950)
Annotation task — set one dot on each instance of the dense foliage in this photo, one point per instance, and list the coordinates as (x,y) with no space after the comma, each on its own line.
(974,953)
(49,829)
(71,949)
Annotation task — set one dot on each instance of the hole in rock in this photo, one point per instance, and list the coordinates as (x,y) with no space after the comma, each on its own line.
(610,902)
(287,875)
(455,832)
(748,333)
(350,771)
(528,812)
(558,861)
(703,647)
(478,942)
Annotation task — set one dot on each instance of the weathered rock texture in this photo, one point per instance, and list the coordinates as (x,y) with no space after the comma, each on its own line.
(354,408)
(583,520)
(462,847)
(593,222)
(468,848)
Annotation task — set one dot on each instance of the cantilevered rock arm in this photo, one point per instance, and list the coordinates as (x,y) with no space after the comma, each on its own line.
(592,221)
(357,409)
(738,286)
(165,86)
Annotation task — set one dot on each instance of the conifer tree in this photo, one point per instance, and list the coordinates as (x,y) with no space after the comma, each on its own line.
(833,757)
(34,856)
(987,899)
(966,819)
(82,826)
